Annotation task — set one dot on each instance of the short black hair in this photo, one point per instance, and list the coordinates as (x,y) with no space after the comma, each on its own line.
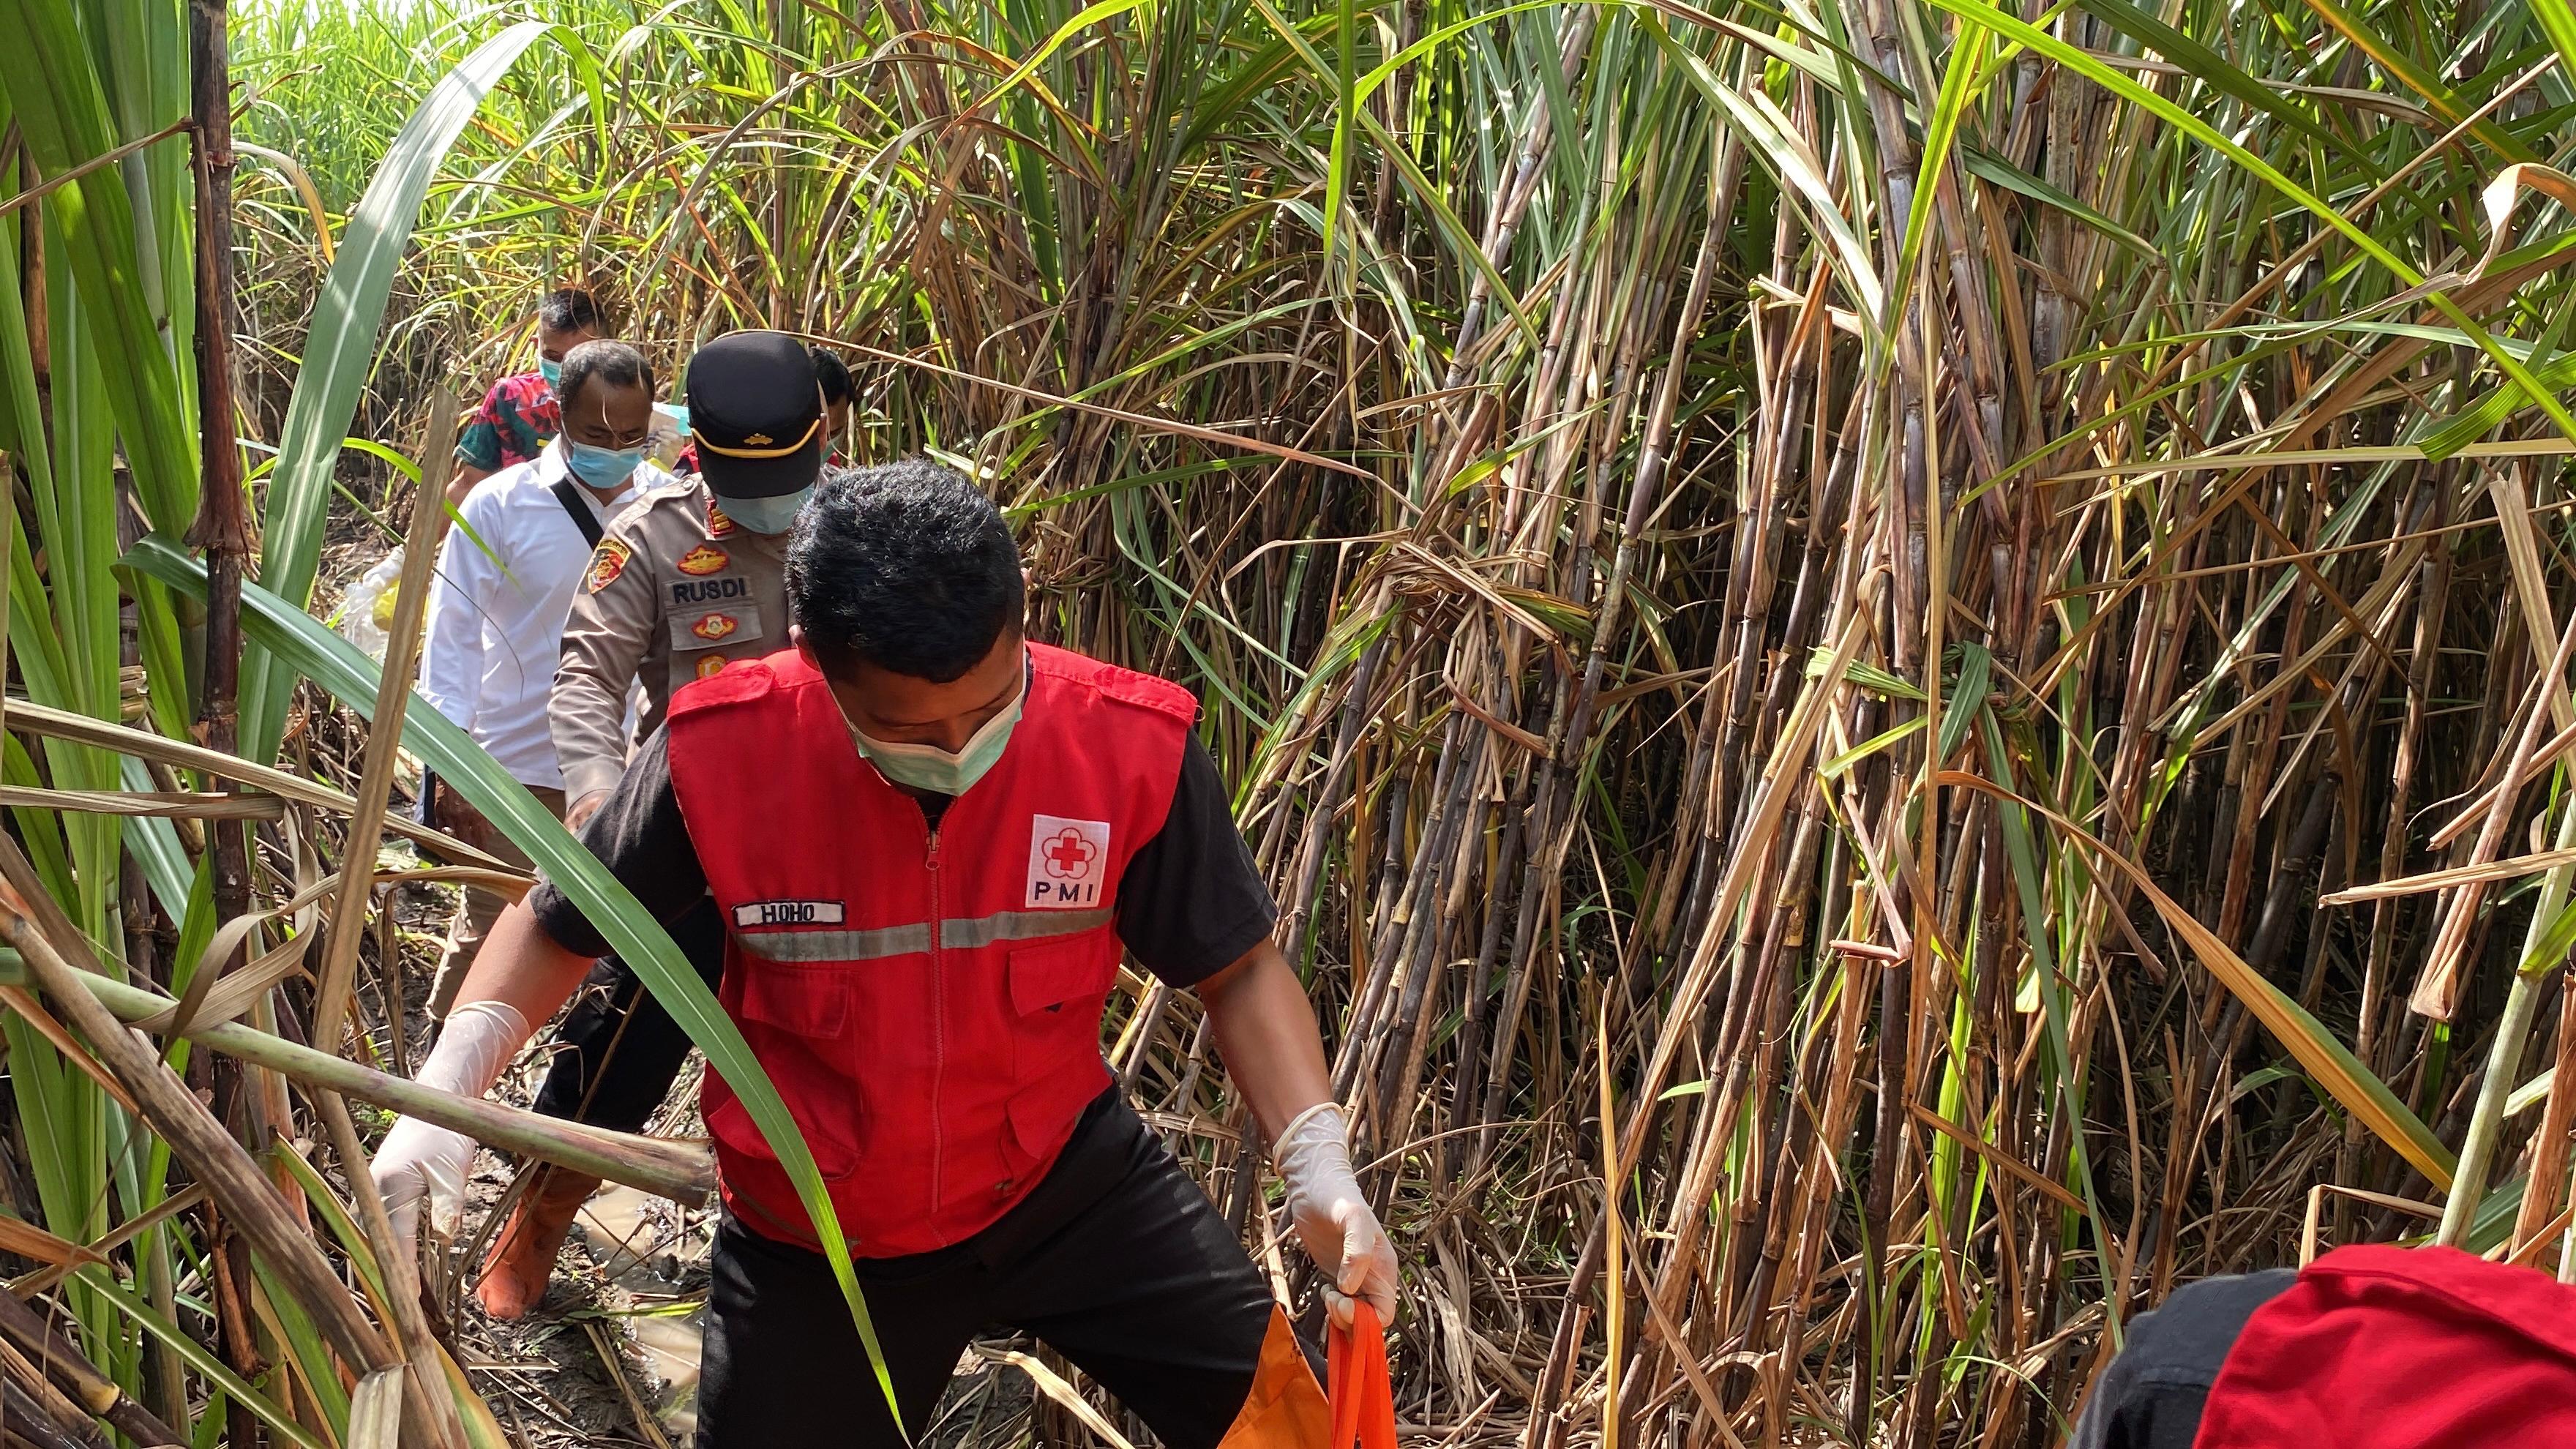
(568,309)
(618,364)
(906,566)
(832,373)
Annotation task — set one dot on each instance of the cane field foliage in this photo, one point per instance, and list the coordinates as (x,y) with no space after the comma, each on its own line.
(1897,661)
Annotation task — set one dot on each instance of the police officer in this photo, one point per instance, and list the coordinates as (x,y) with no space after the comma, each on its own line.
(933,842)
(685,580)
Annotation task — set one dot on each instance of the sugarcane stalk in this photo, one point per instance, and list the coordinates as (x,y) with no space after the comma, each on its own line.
(77,1377)
(249,1201)
(384,734)
(2504,1057)
(57,1408)
(424,1385)
(681,1171)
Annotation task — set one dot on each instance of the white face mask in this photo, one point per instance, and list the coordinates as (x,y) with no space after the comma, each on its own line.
(936,771)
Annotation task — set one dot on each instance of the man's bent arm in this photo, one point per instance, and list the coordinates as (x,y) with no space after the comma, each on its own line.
(467,475)
(1265,1029)
(518,980)
(604,643)
(521,965)
(451,652)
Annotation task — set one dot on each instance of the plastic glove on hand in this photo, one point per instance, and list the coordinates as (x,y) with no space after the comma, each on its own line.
(422,1164)
(1332,1217)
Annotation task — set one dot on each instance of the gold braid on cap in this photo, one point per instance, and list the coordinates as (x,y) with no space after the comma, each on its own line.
(714,447)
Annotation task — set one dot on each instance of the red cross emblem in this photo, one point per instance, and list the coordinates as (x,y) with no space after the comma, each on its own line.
(1069,856)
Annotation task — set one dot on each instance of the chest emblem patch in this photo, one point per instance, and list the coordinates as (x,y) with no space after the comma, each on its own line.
(711,666)
(715,626)
(606,563)
(706,558)
(787,913)
(1068,862)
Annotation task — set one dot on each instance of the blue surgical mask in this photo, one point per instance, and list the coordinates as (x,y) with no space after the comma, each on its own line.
(603,468)
(766,515)
(551,369)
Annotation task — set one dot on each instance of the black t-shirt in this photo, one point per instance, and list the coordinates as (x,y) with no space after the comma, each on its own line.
(1189,906)
(2152,1395)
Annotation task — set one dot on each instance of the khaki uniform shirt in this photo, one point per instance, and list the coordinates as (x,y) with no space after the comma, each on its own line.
(674,592)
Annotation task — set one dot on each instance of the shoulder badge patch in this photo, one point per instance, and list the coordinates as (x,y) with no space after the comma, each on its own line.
(706,558)
(715,626)
(606,563)
(718,526)
(1068,862)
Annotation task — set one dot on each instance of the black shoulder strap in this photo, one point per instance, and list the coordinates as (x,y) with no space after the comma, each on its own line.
(582,516)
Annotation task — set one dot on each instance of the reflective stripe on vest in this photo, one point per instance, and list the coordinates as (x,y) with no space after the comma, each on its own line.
(929,1005)
(791,945)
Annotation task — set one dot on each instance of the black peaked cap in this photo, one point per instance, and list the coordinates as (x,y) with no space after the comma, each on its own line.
(756,414)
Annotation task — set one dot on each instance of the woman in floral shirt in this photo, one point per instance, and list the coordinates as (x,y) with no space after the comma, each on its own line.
(519,416)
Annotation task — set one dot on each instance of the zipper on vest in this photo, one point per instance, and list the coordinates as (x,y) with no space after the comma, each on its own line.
(938,1011)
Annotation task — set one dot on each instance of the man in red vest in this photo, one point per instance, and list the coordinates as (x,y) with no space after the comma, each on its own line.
(2369,1347)
(931,842)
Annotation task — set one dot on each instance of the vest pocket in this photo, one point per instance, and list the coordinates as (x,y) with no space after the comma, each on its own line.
(812,1002)
(1047,977)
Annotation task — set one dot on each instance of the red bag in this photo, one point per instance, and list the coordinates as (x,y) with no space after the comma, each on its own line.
(1363,1397)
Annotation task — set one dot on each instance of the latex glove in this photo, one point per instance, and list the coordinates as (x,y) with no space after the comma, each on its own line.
(1332,1217)
(422,1164)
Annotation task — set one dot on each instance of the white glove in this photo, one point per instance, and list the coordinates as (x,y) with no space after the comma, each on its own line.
(1332,1218)
(421,1162)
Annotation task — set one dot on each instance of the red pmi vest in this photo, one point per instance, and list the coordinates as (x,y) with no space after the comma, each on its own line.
(2380,1347)
(928,1004)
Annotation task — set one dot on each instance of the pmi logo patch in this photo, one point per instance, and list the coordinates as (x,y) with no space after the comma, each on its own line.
(1068,863)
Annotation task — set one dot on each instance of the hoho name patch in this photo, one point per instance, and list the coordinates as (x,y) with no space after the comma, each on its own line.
(787,913)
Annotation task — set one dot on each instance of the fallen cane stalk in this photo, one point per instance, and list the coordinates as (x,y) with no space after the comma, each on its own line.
(197,1139)
(681,1171)
(77,1377)
(399,1260)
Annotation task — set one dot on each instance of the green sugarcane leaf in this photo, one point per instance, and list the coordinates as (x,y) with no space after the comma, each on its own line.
(2091,67)
(2210,68)
(102,1281)
(340,350)
(1841,765)
(300,643)
(2558,22)
(2553,944)
(2386,54)
(313,1359)
(2328,1062)
(1967,699)
(60,107)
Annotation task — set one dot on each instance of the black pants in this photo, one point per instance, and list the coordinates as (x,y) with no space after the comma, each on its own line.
(634,1070)
(1116,1260)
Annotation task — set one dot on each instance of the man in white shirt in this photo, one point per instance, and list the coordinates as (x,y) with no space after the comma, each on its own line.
(504,587)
